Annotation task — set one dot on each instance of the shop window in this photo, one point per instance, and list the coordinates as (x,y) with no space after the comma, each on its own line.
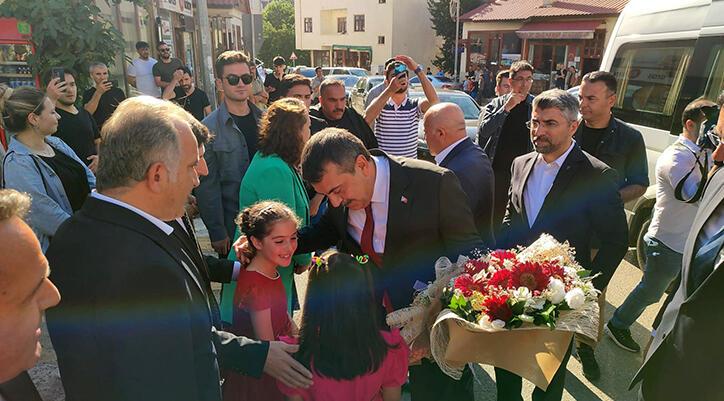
(307,25)
(380,40)
(359,23)
(650,76)
(342,25)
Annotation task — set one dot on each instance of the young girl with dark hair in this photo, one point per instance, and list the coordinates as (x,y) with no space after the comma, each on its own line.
(341,340)
(260,303)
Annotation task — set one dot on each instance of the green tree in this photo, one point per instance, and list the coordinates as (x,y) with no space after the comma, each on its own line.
(279,37)
(69,33)
(444,26)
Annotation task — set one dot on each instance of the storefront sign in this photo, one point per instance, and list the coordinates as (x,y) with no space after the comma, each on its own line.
(170,5)
(555,35)
(187,7)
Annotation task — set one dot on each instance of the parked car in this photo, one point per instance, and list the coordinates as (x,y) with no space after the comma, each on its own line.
(304,71)
(358,97)
(470,108)
(360,72)
(437,82)
(349,82)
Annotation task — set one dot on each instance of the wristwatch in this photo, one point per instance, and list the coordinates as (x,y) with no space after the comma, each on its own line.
(418,69)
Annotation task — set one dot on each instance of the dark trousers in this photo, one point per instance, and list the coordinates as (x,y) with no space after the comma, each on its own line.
(509,384)
(500,199)
(429,383)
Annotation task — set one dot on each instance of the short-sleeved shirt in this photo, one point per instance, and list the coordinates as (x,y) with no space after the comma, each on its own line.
(195,103)
(142,70)
(274,82)
(79,131)
(166,70)
(106,106)
(396,127)
(368,387)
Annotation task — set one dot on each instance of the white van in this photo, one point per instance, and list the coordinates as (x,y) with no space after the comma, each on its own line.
(664,54)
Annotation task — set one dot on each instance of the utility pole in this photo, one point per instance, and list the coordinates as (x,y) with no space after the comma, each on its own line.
(457,36)
(207,64)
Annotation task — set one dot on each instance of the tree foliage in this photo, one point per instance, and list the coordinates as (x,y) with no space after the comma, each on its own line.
(279,37)
(68,33)
(444,26)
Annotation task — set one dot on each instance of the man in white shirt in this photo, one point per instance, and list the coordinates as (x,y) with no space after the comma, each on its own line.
(681,172)
(140,72)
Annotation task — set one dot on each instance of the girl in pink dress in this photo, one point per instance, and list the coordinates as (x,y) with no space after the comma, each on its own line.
(260,303)
(350,356)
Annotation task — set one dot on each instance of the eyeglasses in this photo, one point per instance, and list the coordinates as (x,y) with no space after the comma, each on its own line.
(534,124)
(164,50)
(234,79)
(521,79)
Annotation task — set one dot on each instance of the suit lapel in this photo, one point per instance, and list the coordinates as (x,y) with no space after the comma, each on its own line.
(520,189)
(399,203)
(563,178)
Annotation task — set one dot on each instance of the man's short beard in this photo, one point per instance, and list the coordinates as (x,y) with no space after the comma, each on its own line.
(65,102)
(402,90)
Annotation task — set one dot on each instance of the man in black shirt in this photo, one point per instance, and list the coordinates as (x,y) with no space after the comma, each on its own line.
(332,111)
(503,134)
(273,81)
(76,127)
(165,67)
(184,92)
(102,99)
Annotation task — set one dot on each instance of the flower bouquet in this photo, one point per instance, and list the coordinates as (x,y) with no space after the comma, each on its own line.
(515,309)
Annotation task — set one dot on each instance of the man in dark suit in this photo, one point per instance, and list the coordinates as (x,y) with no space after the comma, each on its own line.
(404,214)
(135,322)
(25,293)
(564,192)
(684,360)
(449,143)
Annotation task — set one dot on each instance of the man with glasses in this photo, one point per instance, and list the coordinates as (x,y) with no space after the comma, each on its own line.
(562,191)
(503,135)
(235,127)
(165,67)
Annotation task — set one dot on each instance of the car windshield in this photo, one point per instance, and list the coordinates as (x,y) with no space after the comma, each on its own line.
(466,103)
(349,80)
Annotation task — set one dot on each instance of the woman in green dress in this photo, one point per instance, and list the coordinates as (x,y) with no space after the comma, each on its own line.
(274,175)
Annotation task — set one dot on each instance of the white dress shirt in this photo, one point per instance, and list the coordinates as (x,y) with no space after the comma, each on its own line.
(539,183)
(380,206)
(443,154)
(156,221)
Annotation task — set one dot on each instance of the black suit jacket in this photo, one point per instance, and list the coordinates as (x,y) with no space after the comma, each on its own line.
(428,217)
(134,322)
(582,202)
(472,167)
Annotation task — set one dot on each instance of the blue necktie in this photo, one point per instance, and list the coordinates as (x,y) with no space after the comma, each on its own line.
(703,263)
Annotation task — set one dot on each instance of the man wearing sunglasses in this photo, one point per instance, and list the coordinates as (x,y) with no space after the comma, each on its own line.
(165,67)
(234,125)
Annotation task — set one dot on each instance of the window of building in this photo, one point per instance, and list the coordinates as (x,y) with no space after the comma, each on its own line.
(307,25)
(342,25)
(383,1)
(380,40)
(359,23)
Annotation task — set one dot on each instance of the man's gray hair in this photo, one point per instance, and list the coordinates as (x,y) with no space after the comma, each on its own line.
(95,65)
(140,132)
(13,204)
(559,99)
(329,82)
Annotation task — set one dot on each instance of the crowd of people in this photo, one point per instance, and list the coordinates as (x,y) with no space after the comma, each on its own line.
(285,187)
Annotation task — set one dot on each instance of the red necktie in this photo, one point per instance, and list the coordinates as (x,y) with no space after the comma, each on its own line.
(367,245)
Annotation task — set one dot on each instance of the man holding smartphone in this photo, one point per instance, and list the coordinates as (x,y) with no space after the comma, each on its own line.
(102,99)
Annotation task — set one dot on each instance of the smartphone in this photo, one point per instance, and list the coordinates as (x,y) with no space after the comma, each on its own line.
(114,83)
(58,72)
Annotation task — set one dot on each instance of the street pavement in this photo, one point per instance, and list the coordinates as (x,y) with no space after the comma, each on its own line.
(617,366)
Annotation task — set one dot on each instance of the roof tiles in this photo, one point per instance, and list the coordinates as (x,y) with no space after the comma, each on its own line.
(506,10)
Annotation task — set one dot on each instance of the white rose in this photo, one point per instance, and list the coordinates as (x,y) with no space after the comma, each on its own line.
(498,324)
(522,294)
(556,291)
(575,298)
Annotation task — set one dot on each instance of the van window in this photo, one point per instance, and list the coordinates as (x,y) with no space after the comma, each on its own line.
(649,77)
(715,79)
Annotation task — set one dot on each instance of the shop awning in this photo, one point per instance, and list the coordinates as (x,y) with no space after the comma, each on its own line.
(353,47)
(559,30)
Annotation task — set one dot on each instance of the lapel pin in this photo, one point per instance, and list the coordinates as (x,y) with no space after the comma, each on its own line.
(403,199)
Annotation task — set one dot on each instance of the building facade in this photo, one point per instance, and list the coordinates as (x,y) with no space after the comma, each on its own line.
(235,25)
(552,35)
(364,33)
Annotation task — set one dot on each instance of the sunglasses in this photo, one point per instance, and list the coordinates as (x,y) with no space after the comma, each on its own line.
(234,79)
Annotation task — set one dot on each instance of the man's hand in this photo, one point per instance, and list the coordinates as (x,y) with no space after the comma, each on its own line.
(394,85)
(409,62)
(280,365)
(103,87)
(94,163)
(192,207)
(177,75)
(241,248)
(514,100)
(222,247)
(55,89)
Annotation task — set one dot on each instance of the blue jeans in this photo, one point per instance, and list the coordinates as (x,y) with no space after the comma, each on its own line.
(662,266)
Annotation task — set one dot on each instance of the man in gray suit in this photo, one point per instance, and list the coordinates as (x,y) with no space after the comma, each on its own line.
(684,361)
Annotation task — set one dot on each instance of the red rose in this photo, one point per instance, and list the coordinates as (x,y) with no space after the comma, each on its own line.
(500,278)
(529,274)
(466,284)
(496,307)
(474,266)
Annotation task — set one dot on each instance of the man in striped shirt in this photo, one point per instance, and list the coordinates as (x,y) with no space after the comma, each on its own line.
(395,115)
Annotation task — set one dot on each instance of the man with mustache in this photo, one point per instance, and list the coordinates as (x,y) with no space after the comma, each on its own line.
(395,115)
(184,92)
